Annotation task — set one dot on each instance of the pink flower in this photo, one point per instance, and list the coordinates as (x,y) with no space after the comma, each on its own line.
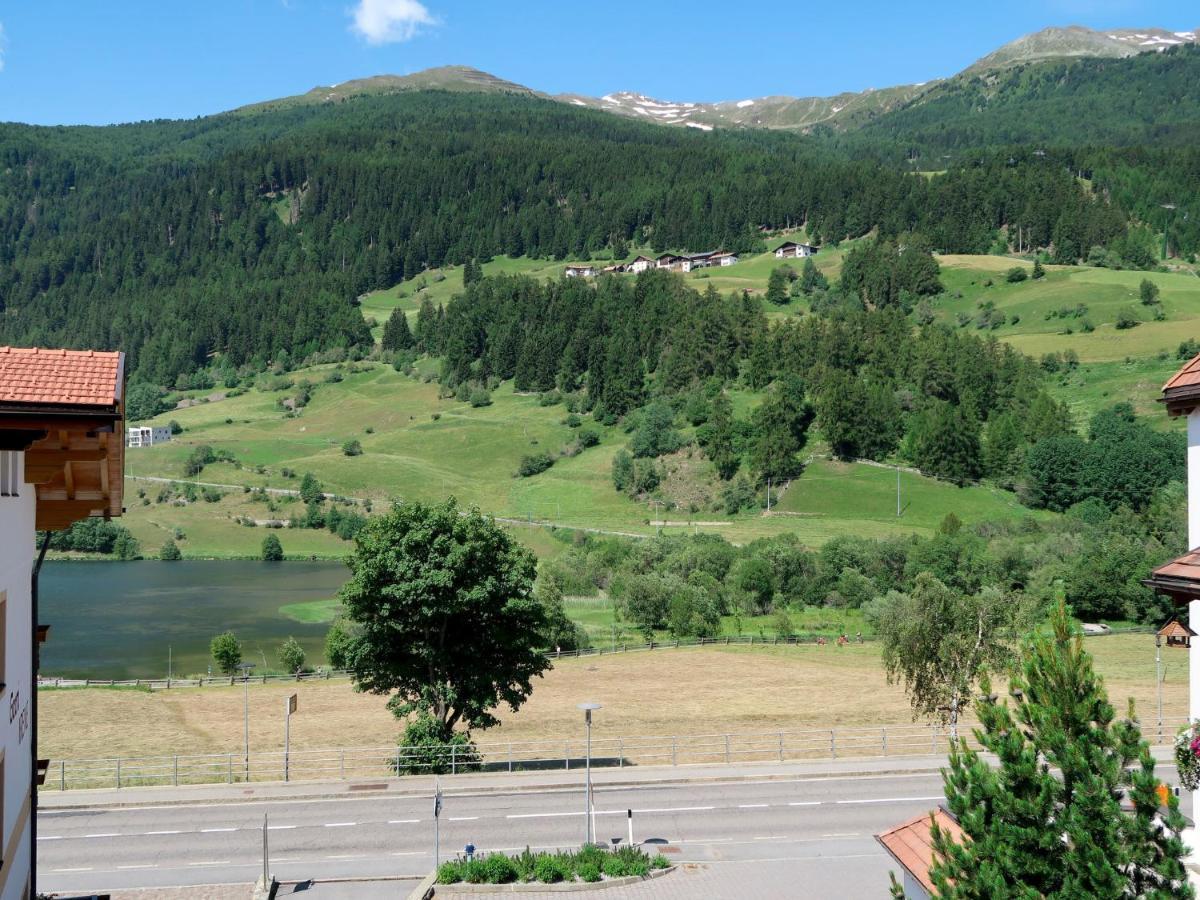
(1195,746)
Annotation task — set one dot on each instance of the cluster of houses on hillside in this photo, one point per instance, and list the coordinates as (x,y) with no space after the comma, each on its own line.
(686,263)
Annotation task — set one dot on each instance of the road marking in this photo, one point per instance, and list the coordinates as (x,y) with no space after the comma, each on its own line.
(163,832)
(140,866)
(805,803)
(889,800)
(213,830)
(102,834)
(463,818)
(280,827)
(348,856)
(404,821)
(544,815)
(837,834)
(676,809)
(79,869)
(410,853)
(753,805)
(48,837)
(773,837)
(211,862)
(340,824)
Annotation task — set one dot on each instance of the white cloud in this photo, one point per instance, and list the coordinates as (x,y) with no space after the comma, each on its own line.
(390,21)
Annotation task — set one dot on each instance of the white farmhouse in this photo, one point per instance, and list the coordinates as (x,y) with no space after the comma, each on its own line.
(793,250)
(61,460)
(641,264)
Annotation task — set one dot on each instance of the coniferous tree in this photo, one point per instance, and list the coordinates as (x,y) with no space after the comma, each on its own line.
(946,445)
(720,441)
(1047,819)
(781,430)
(811,278)
(427,322)
(777,287)
(1039,271)
(396,333)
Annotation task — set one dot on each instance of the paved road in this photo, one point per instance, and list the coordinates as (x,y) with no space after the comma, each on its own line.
(822,827)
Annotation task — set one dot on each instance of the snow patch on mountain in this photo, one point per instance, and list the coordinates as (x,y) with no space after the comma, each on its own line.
(742,104)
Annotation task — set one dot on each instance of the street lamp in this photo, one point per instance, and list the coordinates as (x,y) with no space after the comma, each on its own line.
(245,668)
(589,819)
(1158,677)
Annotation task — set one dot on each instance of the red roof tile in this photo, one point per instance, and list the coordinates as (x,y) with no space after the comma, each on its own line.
(911,844)
(1185,377)
(1186,568)
(60,377)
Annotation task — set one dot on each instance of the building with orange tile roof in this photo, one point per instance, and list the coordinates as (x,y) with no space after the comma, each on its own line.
(61,460)
(911,846)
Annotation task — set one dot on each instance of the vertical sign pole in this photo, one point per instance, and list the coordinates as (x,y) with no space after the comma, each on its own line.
(437,811)
(287,736)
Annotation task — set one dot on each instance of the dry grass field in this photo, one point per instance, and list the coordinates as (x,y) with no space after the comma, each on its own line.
(684,692)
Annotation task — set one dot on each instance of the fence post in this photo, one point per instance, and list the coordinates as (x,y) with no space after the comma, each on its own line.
(885,742)
(176,770)
(933,738)
(453,759)
(397,769)
(567,756)
(510,756)
(229,761)
(621,753)
(832,744)
(118,771)
(62,775)
(674,750)
(781,746)
(342,764)
(727,749)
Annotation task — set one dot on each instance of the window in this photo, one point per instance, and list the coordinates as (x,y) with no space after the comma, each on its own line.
(8,473)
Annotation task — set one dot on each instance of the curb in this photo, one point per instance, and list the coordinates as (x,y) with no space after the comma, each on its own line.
(522,887)
(343,789)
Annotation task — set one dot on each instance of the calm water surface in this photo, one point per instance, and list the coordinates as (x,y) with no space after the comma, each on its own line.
(118,619)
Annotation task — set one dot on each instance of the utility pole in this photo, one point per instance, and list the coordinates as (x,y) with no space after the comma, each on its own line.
(897,490)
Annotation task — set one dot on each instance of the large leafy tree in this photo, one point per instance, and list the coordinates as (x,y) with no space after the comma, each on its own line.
(1047,820)
(442,615)
(940,641)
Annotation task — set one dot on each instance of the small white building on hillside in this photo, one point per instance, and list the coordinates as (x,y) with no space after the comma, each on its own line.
(641,264)
(146,435)
(793,250)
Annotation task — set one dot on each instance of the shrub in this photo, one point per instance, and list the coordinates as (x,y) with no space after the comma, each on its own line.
(534,464)
(499,869)
(549,869)
(588,872)
(272,550)
(1126,319)
(588,438)
(170,551)
(480,397)
(352,448)
(1016,275)
(573,420)
(291,655)
(175,427)
(427,748)
(474,871)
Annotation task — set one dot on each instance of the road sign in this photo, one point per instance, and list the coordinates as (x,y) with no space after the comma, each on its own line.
(291,704)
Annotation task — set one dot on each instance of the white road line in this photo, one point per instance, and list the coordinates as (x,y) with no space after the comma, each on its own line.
(463,818)
(280,827)
(140,866)
(211,862)
(754,805)
(49,837)
(837,834)
(772,837)
(677,809)
(102,834)
(148,833)
(214,830)
(410,853)
(340,824)
(805,803)
(348,856)
(890,800)
(78,869)
(404,821)
(544,815)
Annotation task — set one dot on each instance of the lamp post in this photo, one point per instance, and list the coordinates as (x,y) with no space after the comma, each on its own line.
(589,819)
(245,668)
(1158,677)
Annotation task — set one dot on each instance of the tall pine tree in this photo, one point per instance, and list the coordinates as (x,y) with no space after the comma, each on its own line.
(396,333)
(1047,819)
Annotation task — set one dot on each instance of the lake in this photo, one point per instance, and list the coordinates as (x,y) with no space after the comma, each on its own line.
(118,619)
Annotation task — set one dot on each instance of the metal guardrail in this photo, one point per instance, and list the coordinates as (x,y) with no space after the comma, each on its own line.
(567,755)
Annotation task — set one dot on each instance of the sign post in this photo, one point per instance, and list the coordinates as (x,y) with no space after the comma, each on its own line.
(289,708)
(437,811)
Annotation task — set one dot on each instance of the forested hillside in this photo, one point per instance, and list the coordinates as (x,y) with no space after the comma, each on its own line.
(250,235)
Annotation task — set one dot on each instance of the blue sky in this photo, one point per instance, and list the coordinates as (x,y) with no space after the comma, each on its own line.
(79,61)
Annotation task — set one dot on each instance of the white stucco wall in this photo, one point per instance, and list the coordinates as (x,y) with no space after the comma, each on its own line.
(17,521)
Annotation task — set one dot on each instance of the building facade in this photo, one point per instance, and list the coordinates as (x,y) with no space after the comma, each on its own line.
(146,435)
(61,460)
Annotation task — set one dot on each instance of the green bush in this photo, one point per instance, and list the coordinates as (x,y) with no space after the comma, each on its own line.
(549,869)
(499,869)
(427,749)
(658,861)
(1126,319)
(535,464)
(475,871)
(450,872)
(588,872)
(1016,274)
